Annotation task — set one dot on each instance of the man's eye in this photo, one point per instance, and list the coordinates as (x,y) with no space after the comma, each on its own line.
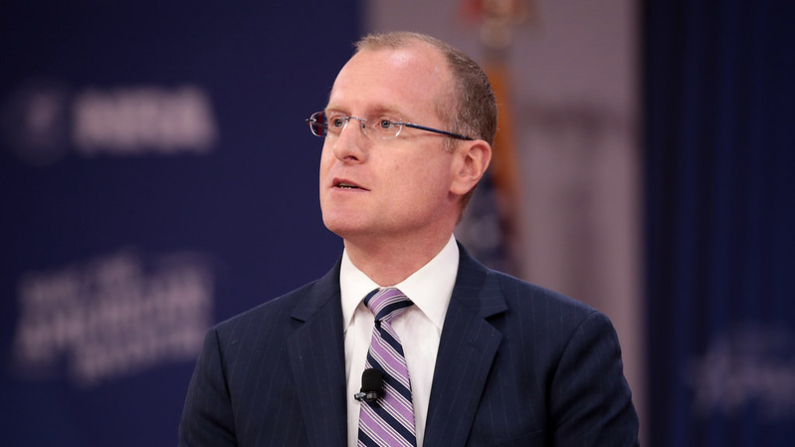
(337,122)
(385,123)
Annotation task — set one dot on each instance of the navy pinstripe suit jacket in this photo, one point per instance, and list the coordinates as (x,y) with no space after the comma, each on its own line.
(518,365)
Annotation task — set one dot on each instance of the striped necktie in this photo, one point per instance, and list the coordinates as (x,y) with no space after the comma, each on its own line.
(389,421)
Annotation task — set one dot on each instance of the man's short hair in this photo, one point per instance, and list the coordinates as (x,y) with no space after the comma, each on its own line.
(474,111)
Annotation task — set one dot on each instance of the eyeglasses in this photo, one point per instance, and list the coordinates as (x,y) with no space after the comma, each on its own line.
(323,124)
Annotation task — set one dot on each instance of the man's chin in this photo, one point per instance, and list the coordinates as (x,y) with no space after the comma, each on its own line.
(342,227)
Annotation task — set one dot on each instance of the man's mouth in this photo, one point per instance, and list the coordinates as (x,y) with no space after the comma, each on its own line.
(343,184)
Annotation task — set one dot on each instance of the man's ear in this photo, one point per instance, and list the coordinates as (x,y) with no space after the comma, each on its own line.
(471,159)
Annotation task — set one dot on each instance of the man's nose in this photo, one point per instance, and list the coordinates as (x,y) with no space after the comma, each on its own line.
(351,144)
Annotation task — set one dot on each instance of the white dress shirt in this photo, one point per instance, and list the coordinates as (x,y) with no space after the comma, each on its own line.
(419,329)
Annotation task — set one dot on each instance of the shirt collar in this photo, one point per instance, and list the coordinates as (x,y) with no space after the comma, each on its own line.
(430,287)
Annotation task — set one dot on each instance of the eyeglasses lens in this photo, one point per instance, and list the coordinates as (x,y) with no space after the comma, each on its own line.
(319,124)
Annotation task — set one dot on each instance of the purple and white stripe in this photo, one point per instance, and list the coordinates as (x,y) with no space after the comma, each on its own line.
(389,421)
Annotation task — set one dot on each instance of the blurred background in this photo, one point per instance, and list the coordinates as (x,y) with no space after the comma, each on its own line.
(157,177)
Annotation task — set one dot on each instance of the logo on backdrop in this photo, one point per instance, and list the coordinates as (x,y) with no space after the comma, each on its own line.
(43,121)
(751,365)
(112,317)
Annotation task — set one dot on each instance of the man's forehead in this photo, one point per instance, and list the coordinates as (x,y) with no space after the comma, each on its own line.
(385,77)
(419,57)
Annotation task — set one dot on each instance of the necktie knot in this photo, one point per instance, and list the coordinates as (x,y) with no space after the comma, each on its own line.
(386,304)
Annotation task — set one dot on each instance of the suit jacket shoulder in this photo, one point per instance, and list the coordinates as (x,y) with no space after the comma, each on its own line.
(273,375)
(522,365)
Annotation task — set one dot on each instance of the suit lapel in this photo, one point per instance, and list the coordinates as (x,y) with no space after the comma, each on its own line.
(317,360)
(466,352)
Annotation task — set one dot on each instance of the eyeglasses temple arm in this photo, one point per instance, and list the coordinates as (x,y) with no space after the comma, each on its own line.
(443,132)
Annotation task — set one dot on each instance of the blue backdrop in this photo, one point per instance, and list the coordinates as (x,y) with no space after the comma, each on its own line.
(156,176)
(720,214)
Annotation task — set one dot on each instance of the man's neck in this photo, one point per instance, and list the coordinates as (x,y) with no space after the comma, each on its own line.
(389,262)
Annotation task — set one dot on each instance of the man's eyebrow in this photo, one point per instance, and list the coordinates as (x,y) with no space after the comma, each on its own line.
(386,109)
(329,108)
(393,111)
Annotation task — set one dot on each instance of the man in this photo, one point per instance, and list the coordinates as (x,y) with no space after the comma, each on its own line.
(486,359)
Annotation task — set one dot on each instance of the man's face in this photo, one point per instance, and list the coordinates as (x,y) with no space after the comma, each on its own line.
(401,185)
